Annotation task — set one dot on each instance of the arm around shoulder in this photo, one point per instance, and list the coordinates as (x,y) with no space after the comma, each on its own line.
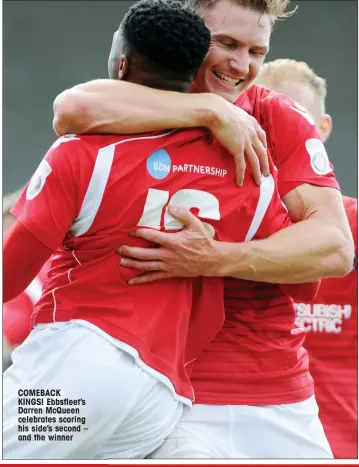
(324,226)
(86,107)
(113,106)
(319,245)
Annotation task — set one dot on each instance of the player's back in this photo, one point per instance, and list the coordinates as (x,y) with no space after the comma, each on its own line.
(124,183)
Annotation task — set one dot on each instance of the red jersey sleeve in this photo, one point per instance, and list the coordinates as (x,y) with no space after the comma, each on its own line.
(52,198)
(297,150)
(351,209)
(23,257)
(16,319)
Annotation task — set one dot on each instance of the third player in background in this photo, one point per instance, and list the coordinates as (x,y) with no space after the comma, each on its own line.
(331,320)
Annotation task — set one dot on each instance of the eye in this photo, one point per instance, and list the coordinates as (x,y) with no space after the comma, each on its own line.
(258,53)
(226,42)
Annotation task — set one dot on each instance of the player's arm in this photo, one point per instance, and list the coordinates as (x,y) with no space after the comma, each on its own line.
(193,252)
(44,211)
(111,106)
(275,219)
(320,243)
(23,257)
(318,246)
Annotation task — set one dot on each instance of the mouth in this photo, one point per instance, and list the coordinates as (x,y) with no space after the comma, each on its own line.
(225,79)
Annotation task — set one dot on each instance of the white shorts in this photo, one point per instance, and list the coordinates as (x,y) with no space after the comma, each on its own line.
(123,412)
(288,431)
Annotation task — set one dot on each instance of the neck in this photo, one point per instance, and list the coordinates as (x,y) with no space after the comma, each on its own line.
(159,82)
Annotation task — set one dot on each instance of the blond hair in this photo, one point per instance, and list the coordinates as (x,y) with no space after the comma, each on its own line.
(285,69)
(275,9)
(9,200)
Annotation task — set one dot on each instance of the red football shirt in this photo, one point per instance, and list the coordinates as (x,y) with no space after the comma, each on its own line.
(331,323)
(17,312)
(258,358)
(90,192)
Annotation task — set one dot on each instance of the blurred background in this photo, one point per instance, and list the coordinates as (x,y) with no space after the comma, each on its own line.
(52,45)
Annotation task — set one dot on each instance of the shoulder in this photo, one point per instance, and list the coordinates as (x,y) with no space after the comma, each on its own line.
(254,99)
(262,102)
(272,109)
(260,95)
(351,209)
(254,94)
(77,151)
(283,107)
(71,143)
(350,204)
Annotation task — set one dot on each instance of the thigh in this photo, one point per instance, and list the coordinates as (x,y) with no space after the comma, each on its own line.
(286,431)
(203,432)
(123,411)
(97,386)
(152,419)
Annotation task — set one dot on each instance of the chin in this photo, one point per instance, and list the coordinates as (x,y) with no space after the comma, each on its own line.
(230,95)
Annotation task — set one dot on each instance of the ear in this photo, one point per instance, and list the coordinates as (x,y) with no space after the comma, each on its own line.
(118,68)
(325,127)
(122,67)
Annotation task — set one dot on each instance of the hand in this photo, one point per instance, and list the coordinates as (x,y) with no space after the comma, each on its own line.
(242,136)
(188,253)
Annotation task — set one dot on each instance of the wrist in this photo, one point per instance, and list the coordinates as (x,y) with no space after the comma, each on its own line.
(206,110)
(230,257)
(217,115)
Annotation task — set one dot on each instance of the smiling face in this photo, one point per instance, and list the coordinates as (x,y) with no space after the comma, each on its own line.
(239,43)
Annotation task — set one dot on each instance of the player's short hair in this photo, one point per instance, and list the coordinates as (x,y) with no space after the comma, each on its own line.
(9,201)
(285,69)
(275,9)
(167,34)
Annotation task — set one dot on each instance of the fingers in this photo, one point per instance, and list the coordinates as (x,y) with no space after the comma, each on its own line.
(240,162)
(253,161)
(261,135)
(254,152)
(149,277)
(186,217)
(142,253)
(162,238)
(142,265)
(236,149)
(260,147)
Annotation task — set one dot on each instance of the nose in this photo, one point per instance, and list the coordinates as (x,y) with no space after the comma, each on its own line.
(240,62)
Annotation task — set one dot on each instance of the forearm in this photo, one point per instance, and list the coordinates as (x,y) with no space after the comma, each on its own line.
(110,106)
(304,252)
